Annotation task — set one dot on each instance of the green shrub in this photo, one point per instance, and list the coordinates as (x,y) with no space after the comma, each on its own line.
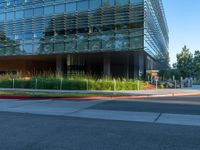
(72,83)
(6,83)
(28,84)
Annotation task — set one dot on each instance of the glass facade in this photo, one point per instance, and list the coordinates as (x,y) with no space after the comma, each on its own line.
(156,38)
(33,27)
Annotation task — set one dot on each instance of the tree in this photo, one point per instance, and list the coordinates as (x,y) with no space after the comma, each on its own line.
(197,64)
(185,63)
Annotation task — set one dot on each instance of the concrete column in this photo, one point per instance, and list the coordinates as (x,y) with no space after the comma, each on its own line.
(139,65)
(135,65)
(59,66)
(127,66)
(88,66)
(106,65)
(68,64)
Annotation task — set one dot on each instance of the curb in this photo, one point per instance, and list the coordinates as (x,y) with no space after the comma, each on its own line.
(98,97)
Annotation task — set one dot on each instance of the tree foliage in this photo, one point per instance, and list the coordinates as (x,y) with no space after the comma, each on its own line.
(184,63)
(196,63)
(187,65)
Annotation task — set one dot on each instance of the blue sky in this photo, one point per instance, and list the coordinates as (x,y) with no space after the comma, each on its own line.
(183,18)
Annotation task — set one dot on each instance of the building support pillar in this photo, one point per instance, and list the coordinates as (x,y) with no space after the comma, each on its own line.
(106,65)
(136,66)
(59,66)
(68,64)
(139,65)
(127,66)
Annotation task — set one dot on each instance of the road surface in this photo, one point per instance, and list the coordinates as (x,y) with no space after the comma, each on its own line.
(170,123)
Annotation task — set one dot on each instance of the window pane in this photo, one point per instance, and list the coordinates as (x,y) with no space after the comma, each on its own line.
(10,15)
(60,8)
(59,47)
(95,42)
(70,7)
(94,4)
(38,11)
(108,41)
(136,1)
(70,44)
(48,10)
(2,17)
(82,5)
(28,49)
(19,14)
(28,13)
(108,2)
(122,2)
(122,40)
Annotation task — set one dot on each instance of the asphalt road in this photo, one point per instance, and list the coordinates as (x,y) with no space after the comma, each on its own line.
(175,105)
(21,131)
(37,132)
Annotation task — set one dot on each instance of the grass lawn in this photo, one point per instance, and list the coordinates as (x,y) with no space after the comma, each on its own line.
(60,95)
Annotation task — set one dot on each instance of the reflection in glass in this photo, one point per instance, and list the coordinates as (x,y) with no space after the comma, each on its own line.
(82,5)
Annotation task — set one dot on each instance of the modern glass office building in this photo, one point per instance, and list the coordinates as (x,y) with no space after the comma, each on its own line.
(103,37)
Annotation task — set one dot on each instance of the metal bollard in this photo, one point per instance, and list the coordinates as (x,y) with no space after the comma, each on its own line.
(156,84)
(175,84)
(138,85)
(36,83)
(61,84)
(13,83)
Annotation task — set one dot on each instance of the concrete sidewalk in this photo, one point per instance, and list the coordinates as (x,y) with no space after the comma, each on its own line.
(83,109)
(142,93)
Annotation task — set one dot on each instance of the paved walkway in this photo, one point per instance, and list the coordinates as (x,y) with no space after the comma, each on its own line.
(83,109)
(192,90)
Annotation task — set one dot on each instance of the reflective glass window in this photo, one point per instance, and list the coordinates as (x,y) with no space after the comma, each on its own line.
(36,48)
(2,4)
(121,40)
(70,44)
(59,47)
(19,2)
(108,2)
(136,42)
(1,9)
(27,41)
(59,1)
(10,2)
(122,2)
(48,10)
(28,35)
(95,42)
(47,48)
(28,13)
(71,7)
(82,5)
(37,35)
(28,48)
(10,15)
(136,1)
(2,17)
(28,1)
(28,26)
(38,12)
(108,41)
(59,8)
(19,14)
(94,4)
(82,42)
